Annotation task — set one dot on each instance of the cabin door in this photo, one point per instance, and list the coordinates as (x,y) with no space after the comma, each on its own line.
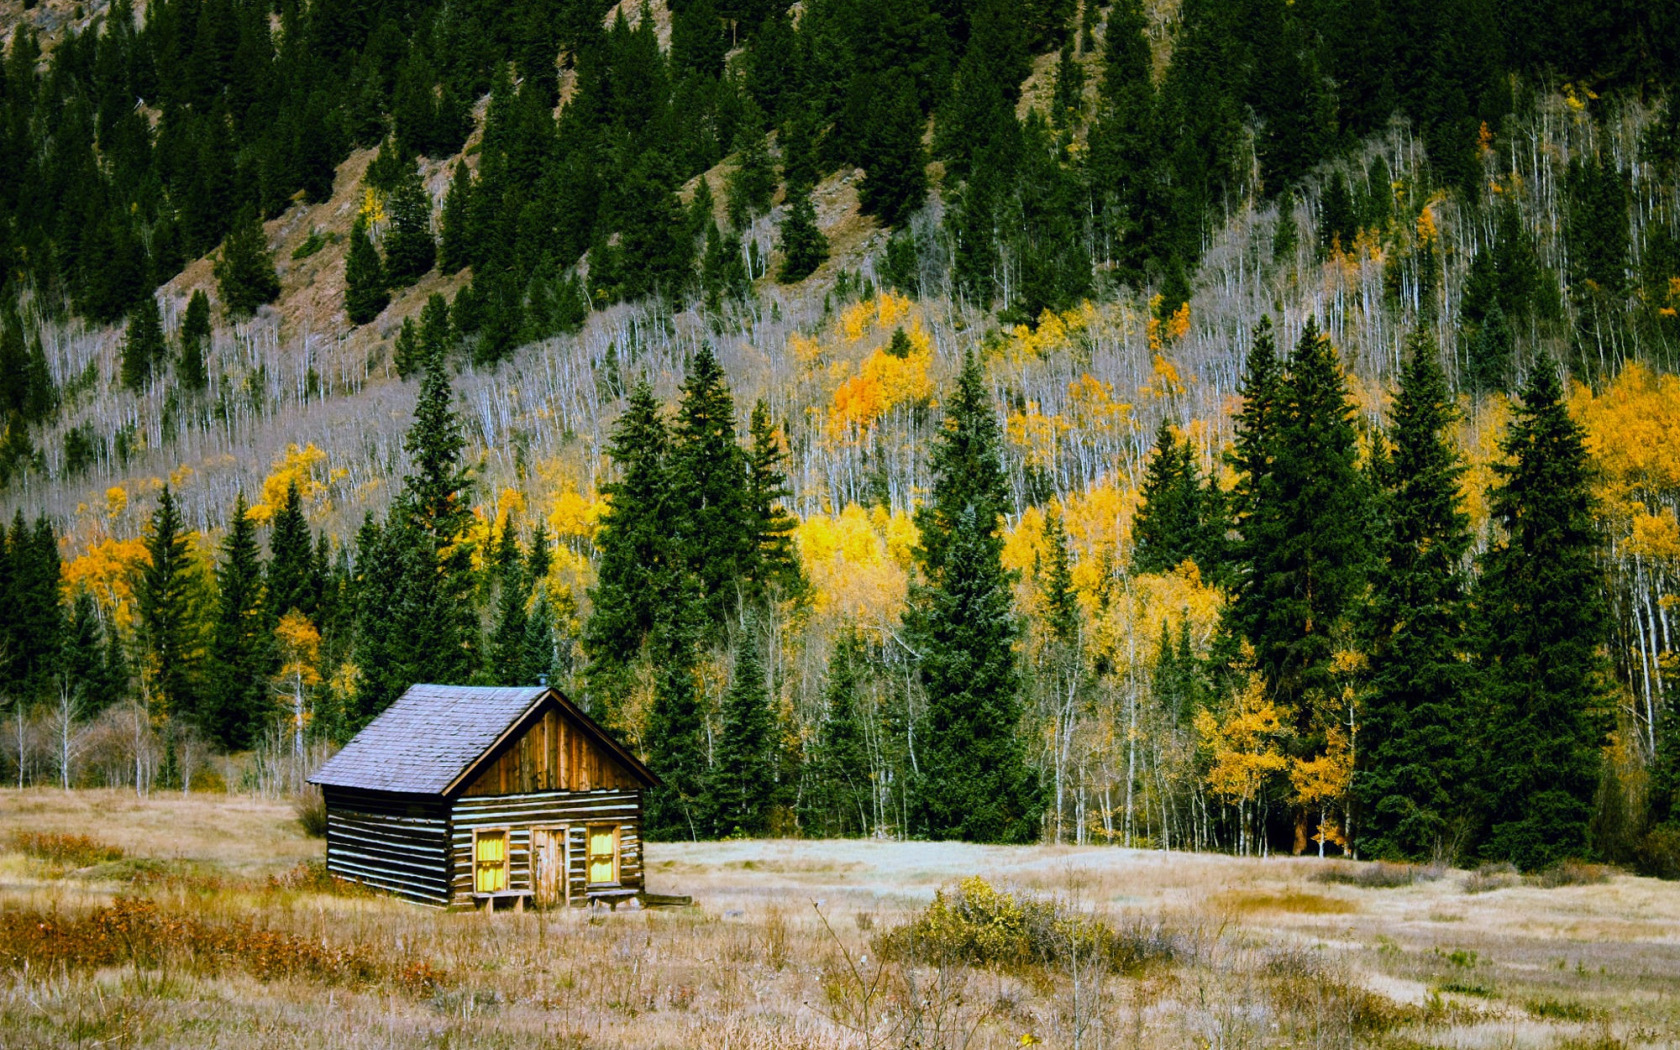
(548,865)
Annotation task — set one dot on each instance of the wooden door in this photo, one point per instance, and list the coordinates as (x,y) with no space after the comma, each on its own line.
(548,865)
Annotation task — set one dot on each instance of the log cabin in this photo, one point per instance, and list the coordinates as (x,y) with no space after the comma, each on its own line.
(467,796)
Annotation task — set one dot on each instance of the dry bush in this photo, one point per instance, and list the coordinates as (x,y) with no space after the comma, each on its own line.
(1659,852)
(1491,877)
(310,808)
(1562,1010)
(64,851)
(1378,875)
(1572,873)
(135,930)
(1321,1004)
(312,876)
(979,926)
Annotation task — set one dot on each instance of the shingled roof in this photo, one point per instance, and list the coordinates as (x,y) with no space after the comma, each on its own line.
(432,734)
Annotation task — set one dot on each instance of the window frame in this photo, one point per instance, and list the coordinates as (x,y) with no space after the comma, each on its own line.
(506,865)
(589,854)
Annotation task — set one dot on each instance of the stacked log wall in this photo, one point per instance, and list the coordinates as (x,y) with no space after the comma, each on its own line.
(395,843)
(519,813)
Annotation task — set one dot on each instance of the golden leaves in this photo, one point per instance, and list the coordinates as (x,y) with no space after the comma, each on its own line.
(858,562)
(883,382)
(304,467)
(1243,747)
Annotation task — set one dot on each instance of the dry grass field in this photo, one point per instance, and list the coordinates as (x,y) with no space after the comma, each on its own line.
(205,921)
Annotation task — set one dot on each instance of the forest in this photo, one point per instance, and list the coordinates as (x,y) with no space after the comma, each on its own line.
(1222,426)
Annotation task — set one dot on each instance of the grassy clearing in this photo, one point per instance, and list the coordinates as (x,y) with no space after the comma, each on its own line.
(206,921)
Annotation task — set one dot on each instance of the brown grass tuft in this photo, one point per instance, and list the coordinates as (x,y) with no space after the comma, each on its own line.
(64,851)
(1378,875)
(1246,902)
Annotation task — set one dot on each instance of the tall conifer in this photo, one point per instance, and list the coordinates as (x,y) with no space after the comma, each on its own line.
(167,621)
(1543,616)
(743,777)
(245,270)
(241,654)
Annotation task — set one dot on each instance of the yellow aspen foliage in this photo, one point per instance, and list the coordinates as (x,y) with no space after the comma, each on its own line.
(883,382)
(576,515)
(1322,783)
(298,645)
(116,501)
(1427,229)
(1095,410)
(1038,436)
(1633,433)
(1655,536)
(1243,747)
(305,467)
(372,208)
(880,314)
(1124,629)
(1481,428)
(856,574)
(180,477)
(107,571)
(1054,333)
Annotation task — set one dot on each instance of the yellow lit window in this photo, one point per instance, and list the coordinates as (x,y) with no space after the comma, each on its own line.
(603,855)
(490,861)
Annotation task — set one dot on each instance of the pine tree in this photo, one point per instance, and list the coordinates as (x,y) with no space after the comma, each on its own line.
(245,270)
(1415,736)
(774,565)
(895,176)
(143,344)
(365,294)
(458,246)
(723,272)
(1122,137)
(635,576)
(241,651)
(410,251)
(167,622)
(974,782)
(293,582)
(538,652)
(742,783)
(195,336)
(1168,528)
(715,530)
(33,618)
(507,642)
(1543,628)
(839,798)
(803,246)
(753,182)
(676,728)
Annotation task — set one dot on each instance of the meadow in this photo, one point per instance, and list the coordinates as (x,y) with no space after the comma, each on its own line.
(206,920)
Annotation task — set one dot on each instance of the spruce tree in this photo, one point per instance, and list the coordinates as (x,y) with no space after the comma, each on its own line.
(143,344)
(895,176)
(410,251)
(716,534)
(241,652)
(1543,629)
(365,294)
(723,272)
(974,784)
(676,733)
(537,659)
(195,336)
(753,182)
(633,582)
(803,246)
(507,652)
(1415,736)
(457,248)
(245,270)
(292,579)
(839,798)
(167,622)
(1122,139)
(773,565)
(1167,528)
(742,783)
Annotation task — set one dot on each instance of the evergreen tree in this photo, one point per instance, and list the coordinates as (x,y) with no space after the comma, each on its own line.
(1168,528)
(508,639)
(167,621)
(458,246)
(365,294)
(676,728)
(773,564)
(1543,624)
(723,271)
(245,273)
(635,576)
(742,783)
(195,336)
(1415,736)
(839,798)
(143,344)
(753,182)
(293,582)
(974,782)
(715,529)
(33,618)
(803,246)
(241,653)
(538,655)
(895,177)
(410,251)
(1122,137)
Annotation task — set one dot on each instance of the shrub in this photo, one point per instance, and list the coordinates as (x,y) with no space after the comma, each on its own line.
(68,851)
(1659,852)
(1379,875)
(1562,1010)
(1490,877)
(310,808)
(980,926)
(1573,873)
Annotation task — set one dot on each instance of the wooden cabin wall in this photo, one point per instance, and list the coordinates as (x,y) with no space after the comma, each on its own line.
(395,843)
(553,754)
(519,813)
